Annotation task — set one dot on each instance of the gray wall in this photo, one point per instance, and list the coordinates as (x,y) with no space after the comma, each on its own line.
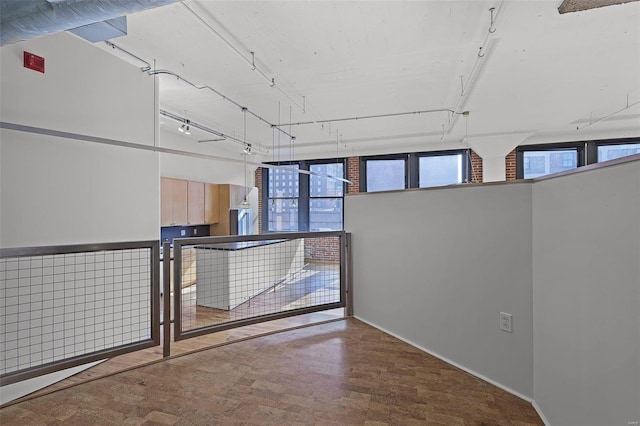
(586,257)
(436,267)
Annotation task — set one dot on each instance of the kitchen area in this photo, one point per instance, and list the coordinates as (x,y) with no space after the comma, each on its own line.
(201,209)
(222,282)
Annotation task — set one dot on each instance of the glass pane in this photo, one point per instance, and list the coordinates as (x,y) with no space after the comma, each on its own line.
(540,163)
(322,186)
(325,214)
(283,214)
(284,183)
(610,152)
(440,170)
(383,175)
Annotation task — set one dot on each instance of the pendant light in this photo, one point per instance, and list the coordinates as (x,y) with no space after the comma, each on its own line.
(244,205)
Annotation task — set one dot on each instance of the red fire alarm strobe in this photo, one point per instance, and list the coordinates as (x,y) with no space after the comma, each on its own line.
(34,62)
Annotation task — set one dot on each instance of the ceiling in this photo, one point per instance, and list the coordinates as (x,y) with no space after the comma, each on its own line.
(540,75)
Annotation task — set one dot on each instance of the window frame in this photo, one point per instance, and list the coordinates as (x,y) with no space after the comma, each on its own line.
(363,168)
(266,198)
(310,163)
(466,165)
(581,148)
(612,142)
(587,150)
(412,166)
(304,191)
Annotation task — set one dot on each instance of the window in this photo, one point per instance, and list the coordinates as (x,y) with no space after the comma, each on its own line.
(538,160)
(283,199)
(385,174)
(414,170)
(539,163)
(613,151)
(295,201)
(439,170)
(326,197)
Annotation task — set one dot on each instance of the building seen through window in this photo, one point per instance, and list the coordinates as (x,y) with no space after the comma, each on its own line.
(296,201)
(533,161)
(284,192)
(414,170)
(326,197)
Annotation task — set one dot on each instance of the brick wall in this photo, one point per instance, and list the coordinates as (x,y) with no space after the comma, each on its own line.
(322,249)
(510,165)
(476,168)
(353,174)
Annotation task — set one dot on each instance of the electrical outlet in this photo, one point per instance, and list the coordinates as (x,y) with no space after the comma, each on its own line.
(506,323)
(195,231)
(183,232)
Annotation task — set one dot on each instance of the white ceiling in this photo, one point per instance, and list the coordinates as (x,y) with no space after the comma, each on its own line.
(542,76)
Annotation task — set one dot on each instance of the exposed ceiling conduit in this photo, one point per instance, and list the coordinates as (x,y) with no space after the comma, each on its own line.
(25,19)
(205,86)
(484,52)
(251,60)
(365,117)
(147,69)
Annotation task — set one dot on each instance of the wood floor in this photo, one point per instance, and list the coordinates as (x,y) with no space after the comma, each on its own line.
(338,373)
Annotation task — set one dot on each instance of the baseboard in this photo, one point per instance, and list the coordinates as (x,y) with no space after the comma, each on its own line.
(455,364)
(540,413)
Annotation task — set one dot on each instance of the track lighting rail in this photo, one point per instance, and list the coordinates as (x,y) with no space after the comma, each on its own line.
(206,86)
(193,124)
(148,70)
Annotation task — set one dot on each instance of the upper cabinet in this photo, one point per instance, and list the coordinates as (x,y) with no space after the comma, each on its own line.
(211,203)
(173,201)
(195,203)
(187,202)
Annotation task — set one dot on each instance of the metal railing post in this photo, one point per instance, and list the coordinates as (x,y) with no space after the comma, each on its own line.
(166,286)
(348,310)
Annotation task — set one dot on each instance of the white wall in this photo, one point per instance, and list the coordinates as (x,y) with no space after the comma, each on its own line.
(60,191)
(586,273)
(199,169)
(436,267)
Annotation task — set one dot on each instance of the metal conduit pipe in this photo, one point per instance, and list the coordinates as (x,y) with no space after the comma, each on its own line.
(251,61)
(147,69)
(365,117)
(221,95)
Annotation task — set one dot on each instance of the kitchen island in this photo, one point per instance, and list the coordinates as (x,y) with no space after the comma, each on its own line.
(229,274)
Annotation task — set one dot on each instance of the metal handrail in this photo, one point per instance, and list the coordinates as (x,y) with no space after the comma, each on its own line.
(178,243)
(256,237)
(153,245)
(75,248)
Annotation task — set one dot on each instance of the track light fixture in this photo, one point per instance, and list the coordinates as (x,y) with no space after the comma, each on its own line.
(185,128)
(247,149)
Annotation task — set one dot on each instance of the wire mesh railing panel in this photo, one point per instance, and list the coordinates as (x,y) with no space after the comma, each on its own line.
(57,307)
(235,281)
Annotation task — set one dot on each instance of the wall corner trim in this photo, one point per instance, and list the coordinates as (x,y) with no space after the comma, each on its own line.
(540,413)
